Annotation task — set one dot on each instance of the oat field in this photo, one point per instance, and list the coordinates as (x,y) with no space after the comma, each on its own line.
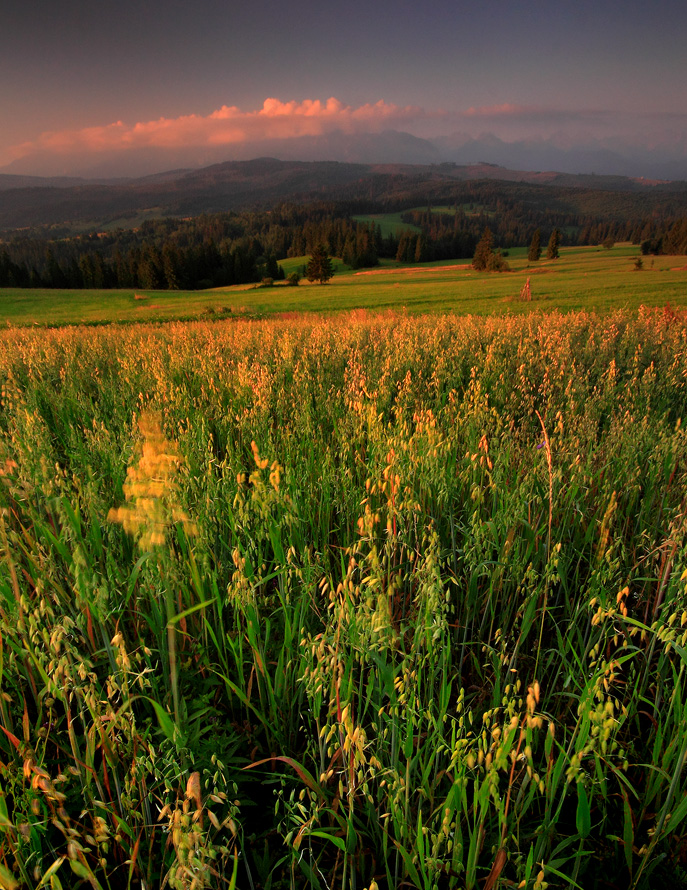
(366,601)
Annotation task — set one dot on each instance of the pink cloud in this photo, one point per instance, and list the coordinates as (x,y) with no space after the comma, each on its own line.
(229,125)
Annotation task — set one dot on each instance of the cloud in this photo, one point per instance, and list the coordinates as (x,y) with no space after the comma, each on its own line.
(121,148)
(229,125)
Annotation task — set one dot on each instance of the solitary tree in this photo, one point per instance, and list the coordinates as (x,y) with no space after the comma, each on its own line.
(554,243)
(320,266)
(486,259)
(483,251)
(534,253)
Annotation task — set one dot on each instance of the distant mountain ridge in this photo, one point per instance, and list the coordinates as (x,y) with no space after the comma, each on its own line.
(18,181)
(366,148)
(666,159)
(545,154)
(261,183)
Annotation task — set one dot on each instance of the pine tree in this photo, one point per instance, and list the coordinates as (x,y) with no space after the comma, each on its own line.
(496,262)
(86,269)
(320,266)
(271,267)
(100,275)
(554,242)
(534,252)
(55,275)
(421,249)
(402,251)
(348,254)
(483,251)
(171,267)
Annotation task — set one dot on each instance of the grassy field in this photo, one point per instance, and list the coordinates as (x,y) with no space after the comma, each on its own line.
(584,278)
(392,224)
(389,223)
(346,602)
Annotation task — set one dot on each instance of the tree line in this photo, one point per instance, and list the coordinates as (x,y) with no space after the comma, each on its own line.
(212,250)
(670,240)
(221,249)
(450,235)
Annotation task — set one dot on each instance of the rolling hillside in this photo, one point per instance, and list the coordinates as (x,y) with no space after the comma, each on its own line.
(264,182)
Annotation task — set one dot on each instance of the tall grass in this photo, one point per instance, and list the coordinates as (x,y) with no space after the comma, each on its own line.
(344,603)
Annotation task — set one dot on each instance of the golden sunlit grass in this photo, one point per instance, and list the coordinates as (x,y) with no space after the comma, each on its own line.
(385,601)
(150,490)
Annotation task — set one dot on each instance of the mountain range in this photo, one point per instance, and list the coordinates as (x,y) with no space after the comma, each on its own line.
(263,182)
(665,159)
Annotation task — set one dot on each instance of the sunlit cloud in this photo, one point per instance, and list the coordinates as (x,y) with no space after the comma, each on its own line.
(230,132)
(229,125)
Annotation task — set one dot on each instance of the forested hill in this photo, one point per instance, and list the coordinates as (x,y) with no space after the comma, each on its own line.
(262,183)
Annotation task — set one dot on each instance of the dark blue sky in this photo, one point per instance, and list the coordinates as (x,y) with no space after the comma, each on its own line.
(495,66)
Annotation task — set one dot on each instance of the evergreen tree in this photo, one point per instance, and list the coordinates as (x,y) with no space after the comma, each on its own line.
(365,247)
(421,249)
(376,231)
(171,267)
(390,246)
(402,246)
(55,277)
(496,262)
(483,251)
(245,268)
(320,266)
(410,247)
(534,252)
(73,274)
(348,254)
(272,267)
(149,272)
(100,276)
(86,269)
(554,243)
(11,274)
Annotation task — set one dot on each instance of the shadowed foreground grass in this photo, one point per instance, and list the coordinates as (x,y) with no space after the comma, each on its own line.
(368,601)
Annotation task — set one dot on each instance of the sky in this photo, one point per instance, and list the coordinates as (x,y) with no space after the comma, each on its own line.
(79,80)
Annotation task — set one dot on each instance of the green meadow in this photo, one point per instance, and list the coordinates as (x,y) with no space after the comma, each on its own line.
(389,223)
(583,278)
(293,597)
(393,224)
